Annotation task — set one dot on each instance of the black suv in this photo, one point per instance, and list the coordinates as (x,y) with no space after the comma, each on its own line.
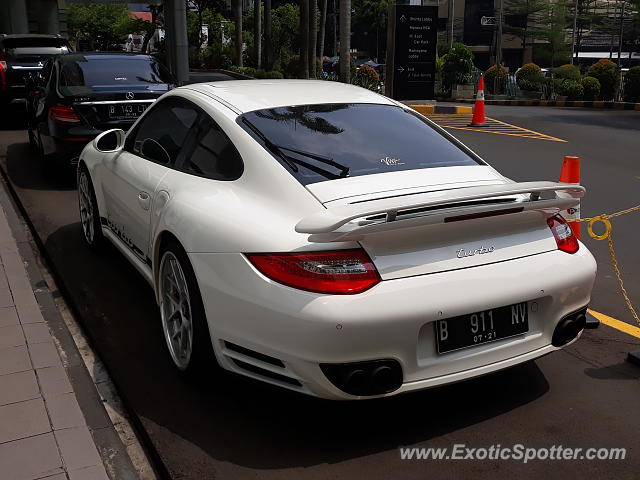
(21,56)
(79,95)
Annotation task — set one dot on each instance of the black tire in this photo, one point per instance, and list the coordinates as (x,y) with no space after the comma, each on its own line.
(33,141)
(91,230)
(39,147)
(201,361)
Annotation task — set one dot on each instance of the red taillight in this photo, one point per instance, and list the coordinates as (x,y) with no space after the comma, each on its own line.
(63,113)
(3,68)
(565,239)
(338,272)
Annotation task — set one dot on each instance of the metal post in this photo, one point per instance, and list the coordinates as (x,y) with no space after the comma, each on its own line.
(257,33)
(621,33)
(499,40)
(181,45)
(573,35)
(452,16)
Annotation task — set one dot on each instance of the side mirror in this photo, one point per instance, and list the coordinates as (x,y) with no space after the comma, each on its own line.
(155,152)
(109,141)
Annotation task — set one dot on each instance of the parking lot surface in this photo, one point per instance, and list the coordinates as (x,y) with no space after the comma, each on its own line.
(229,427)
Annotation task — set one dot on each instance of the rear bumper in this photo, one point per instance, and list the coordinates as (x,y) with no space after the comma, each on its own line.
(393,320)
(13,93)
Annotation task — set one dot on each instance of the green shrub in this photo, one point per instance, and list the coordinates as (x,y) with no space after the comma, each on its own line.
(632,85)
(495,79)
(568,71)
(369,72)
(273,74)
(591,88)
(608,75)
(291,68)
(249,71)
(457,65)
(530,77)
(366,77)
(574,90)
(560,85)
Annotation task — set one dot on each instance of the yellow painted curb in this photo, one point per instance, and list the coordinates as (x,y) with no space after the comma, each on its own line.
(560,103)
(598,104)
(424,109)
(617,324)
(466,110)
(637,106)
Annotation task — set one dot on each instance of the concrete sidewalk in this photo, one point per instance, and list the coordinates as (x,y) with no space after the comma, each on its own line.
(43,431)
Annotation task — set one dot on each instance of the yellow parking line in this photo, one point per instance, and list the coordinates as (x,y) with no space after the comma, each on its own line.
(536,137)
(617,324)
(498,127)
(530,131)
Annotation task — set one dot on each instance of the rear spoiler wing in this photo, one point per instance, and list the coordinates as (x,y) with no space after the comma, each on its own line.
(337,223)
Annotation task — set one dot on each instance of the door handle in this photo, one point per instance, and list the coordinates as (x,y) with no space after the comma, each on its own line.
(144,200)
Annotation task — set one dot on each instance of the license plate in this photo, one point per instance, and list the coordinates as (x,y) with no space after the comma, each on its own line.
(481,327)
(126,111)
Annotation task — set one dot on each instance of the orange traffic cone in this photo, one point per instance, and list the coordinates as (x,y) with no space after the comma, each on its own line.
(478,109)
(570,173)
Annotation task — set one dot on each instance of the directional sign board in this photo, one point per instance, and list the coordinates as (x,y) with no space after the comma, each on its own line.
(413,37)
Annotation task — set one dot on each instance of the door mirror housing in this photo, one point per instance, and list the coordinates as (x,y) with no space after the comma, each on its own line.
(109,141)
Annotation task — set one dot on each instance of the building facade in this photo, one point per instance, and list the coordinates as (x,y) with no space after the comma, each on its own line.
(33,16)
(461,21)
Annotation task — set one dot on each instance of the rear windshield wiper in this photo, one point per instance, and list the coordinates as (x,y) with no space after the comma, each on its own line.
(293,162)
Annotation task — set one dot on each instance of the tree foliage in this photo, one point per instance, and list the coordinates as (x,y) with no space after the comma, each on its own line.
(608,75)
(104,25)
(457,65)
(632,85)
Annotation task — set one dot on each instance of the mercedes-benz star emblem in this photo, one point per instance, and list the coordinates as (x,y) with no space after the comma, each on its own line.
(129,95)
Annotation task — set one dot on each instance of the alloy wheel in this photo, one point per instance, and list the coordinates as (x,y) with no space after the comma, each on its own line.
(175,309)
(86,208)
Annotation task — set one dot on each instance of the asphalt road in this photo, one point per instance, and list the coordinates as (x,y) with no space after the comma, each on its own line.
(226,427)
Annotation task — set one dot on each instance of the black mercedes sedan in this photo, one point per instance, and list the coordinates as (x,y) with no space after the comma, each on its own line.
(79,95)
(22,55)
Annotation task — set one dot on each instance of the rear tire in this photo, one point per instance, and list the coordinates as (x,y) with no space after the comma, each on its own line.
(33,143)
(89,213)
(184,321)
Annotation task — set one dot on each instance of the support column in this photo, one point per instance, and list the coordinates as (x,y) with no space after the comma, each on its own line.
(176,39)
(18,21)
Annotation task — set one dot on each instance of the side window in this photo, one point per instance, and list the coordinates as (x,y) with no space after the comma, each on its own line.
(213,155)
(44,77)
(163,132)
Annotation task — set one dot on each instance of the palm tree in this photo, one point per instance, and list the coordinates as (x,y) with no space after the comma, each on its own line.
(323,24)
(237,8)
(267,36)
(313,37)
(304,38)
(345,41)
(257,34)
(308,116)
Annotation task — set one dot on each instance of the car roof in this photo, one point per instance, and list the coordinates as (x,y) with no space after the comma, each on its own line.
(249,95)
(6,36)
(75,56)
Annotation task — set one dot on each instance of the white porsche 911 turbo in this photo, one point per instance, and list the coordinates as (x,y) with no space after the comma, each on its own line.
(329,240)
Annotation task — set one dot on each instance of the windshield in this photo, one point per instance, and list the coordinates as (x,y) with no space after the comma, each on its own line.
(34,42)
(361,138)
(112,71)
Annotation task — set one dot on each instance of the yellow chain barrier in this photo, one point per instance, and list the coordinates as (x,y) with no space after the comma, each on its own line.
(605,220)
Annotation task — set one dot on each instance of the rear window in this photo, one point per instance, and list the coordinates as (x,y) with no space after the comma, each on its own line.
(34,42)
(331,141)
(104,71)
